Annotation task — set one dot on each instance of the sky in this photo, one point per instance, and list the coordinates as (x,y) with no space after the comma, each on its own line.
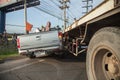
(39,18)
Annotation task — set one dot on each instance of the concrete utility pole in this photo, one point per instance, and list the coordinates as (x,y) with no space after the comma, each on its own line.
(25,14)
(87,6)
(64,7)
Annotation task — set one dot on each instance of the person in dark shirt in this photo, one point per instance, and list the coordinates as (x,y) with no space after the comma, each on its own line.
(14,37)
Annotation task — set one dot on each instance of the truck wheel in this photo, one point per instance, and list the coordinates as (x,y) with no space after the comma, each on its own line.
(103,55)
(31,55)
(62,54)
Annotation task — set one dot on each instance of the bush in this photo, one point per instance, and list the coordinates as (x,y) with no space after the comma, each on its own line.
(8,49)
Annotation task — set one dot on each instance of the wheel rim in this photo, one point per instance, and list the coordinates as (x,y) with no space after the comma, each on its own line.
(106,65)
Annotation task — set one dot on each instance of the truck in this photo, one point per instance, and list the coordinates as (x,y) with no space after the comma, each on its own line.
(40,44)
(97,34)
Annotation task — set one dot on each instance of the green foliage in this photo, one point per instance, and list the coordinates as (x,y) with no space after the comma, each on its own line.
(7,50)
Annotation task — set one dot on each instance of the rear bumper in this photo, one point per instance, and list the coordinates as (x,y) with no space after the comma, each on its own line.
(48,49)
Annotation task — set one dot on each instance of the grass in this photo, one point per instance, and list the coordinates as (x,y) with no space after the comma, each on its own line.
(8,50)
(6,56)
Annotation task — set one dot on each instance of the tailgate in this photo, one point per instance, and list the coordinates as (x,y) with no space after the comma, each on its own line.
(39,40)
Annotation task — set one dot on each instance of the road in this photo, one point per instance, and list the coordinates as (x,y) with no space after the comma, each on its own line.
(47,68)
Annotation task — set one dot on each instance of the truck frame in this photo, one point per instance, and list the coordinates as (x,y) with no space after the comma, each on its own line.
(98,35)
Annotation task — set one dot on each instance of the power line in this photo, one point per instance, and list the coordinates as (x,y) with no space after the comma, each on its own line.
(54,3)
(48,5)
(71,15)
(75,9)
(18,25)
(48,13)
(48,8)
(87,6)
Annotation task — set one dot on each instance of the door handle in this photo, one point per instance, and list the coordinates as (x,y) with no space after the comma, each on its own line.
(38,37)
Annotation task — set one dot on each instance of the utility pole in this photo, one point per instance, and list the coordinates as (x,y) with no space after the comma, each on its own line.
(25,15)
(87,6)
(64,7)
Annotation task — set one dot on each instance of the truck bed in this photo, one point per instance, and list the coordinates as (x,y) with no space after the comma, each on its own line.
(39,41)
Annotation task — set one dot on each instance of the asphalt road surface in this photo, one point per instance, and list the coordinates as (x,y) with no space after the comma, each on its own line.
(47,68)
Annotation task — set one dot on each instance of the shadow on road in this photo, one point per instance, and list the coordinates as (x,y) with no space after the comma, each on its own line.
(68,57)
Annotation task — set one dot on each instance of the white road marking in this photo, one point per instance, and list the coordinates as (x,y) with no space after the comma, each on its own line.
(19,67)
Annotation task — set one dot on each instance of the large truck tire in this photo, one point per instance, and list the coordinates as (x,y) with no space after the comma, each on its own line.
(103,55)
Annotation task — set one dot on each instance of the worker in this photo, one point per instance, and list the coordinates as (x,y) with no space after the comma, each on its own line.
(5,38)
(37,30)
(14,37)
(43,28)
(48,26)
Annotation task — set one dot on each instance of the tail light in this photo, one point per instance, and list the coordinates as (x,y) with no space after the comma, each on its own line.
(18,43)
(60,35)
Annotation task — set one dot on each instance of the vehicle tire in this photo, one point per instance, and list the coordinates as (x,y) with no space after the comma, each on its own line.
(103,55)
(61,54)
(31,55)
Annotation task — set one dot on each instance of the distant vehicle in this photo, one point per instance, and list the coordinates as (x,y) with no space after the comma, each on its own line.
(40,44)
